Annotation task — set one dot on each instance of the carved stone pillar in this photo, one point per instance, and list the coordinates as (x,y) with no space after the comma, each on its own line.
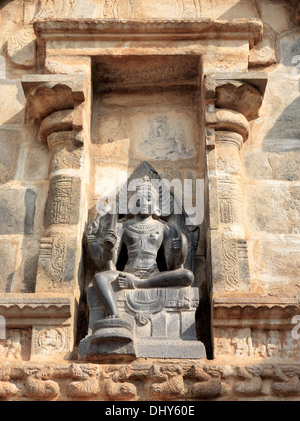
(230,105)
(55,104)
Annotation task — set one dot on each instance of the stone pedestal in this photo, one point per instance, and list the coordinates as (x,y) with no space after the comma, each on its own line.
(157,323)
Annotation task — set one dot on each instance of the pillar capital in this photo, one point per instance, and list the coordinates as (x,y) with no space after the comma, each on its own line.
(229,139)
(232,101)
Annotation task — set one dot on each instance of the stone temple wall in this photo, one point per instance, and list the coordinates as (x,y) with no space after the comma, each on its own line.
(200,89)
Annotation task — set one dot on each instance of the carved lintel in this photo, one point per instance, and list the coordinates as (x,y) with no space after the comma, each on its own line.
(250,29)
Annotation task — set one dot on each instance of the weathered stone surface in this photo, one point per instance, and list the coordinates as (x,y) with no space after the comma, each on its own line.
(267,11)
(37,162)
(10,148)
(278,165)
(16,346)
(11,103)
(21,48)
(264,53)
(9,257)
(275,262)
(50,341)
(17,211)
(282,217)
(154,380)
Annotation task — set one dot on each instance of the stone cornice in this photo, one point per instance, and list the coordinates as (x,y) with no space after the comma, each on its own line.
(88,29)
(31,306)
(262,312)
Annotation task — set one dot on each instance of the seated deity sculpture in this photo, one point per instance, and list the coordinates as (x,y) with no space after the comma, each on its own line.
(143,236)
(143,233)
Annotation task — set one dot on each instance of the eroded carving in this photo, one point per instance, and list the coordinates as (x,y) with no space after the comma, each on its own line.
(38,383)
(116,385)
(21,48)
(16,346)
(85,381)
(171,382)
(255,343)
(62,204)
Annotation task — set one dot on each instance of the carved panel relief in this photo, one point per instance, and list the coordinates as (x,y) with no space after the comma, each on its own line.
(16,346)
(49,341)
(141,9)
(255,343)
(62,206)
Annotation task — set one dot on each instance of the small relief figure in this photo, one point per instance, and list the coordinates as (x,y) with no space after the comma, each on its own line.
(14,347)
(50,341)
(172,386)
(7,387)
(259,343)
(286,381)
(251,383)
(85,381)
(242,343)
(11,347)
(273,344)
(222,343)
(38,383)
(116,385)
(206,382)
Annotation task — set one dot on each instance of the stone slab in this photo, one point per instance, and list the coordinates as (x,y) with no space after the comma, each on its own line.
(166,348)
(8,259)
(10,148)
(17,211)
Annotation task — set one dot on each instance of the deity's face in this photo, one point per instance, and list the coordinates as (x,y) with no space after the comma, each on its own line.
(144,202)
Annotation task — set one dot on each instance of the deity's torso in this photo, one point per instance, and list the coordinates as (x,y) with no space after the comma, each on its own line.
(143,240)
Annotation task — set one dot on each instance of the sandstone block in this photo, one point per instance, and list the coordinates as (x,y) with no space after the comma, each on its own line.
(272,165)
(10,148)
(276,262)
(11,103)
(17,211)
(282,217)
(37,162)
(8,259)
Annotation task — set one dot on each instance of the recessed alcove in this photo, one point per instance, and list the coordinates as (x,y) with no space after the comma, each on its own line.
(148,108)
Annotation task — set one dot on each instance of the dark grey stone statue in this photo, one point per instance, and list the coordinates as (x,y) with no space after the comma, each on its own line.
(123,302)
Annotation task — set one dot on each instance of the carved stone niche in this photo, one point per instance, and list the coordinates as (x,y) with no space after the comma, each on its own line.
(157,317)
